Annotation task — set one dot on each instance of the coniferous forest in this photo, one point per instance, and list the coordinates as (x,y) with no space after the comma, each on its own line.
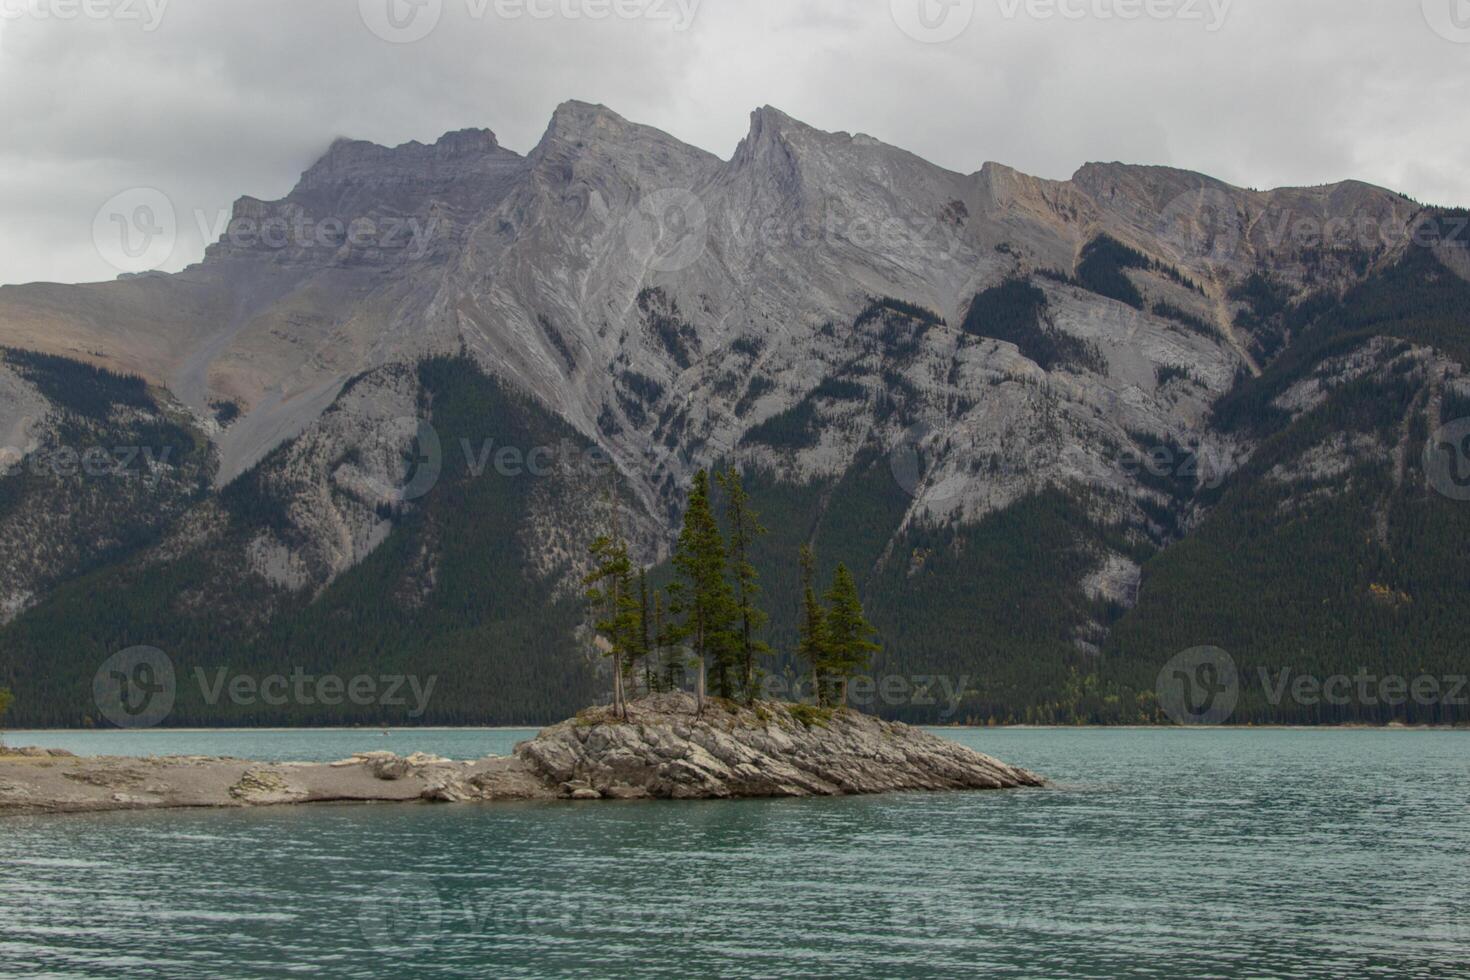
(707,622)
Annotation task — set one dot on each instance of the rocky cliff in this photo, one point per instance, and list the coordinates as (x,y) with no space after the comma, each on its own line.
(665,749)
(911,350)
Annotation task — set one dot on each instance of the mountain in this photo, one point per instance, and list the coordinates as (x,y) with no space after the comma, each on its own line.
(1062,430)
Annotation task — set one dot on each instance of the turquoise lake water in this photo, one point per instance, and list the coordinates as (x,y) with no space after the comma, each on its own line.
(280,745)
(1158,853)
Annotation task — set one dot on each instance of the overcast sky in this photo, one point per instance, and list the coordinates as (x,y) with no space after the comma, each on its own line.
(207,100)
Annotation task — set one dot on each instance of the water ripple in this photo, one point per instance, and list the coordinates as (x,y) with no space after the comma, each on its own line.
(1156,854)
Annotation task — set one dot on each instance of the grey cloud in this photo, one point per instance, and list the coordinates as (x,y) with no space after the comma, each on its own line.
(225,99)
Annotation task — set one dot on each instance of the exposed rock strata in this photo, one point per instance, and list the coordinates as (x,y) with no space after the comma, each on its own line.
(665,303)
(664,750)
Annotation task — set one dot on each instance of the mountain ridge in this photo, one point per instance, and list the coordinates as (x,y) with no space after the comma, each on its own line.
(679,311)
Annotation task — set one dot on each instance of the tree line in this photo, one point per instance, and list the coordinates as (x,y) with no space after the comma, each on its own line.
(708,622)
(5,698)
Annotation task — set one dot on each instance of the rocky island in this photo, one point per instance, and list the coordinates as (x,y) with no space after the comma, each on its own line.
(663,749)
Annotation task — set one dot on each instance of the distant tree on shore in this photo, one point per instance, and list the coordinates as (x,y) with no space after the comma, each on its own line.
(6,698)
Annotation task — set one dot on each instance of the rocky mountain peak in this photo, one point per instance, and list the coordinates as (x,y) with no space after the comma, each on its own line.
(594,149)
(798,166)
(456,154)
(467,142)
(767,155)
(576,120)
(1158,187)
(580,128)
(1152,187)
(777,137)
(768,122)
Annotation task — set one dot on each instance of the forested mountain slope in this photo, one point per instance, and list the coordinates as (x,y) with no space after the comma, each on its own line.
(1061,431)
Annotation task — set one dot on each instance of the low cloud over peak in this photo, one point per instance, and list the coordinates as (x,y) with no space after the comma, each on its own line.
(208,102)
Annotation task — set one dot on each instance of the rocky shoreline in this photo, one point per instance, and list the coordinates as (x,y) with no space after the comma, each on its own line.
(663,750)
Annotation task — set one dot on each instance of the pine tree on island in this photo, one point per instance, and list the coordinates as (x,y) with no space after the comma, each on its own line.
(812,631)
(613,598)
(645,641)
(834,641)
(745,527)
(710,616)
(666,642)
(849,644)
(702,594)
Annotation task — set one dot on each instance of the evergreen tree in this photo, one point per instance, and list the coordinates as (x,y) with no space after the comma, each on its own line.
(702,594)
(849,645)
(745,527)
(645,647)
(812,644)
(5,699)
(611,592)
(667,639)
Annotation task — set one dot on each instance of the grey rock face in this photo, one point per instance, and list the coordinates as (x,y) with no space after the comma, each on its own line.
(666,302)
(663,751)
(666,750)
(267,785)
(76,485)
